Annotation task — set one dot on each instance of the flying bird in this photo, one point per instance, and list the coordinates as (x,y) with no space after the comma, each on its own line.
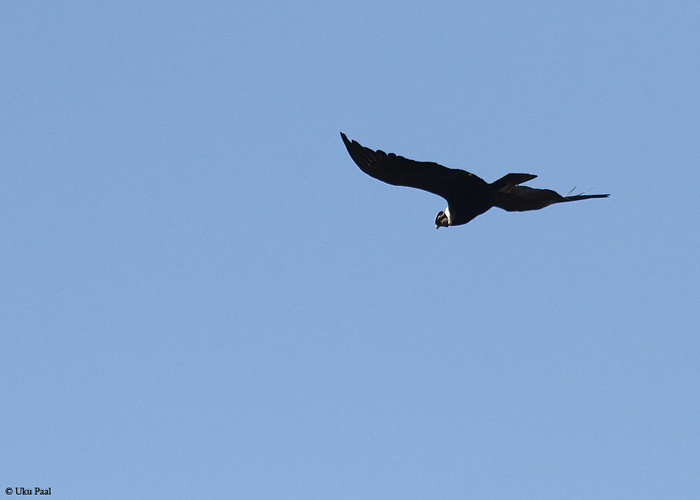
(467,195)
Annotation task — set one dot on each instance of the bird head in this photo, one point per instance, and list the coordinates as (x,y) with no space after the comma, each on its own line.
(442,220)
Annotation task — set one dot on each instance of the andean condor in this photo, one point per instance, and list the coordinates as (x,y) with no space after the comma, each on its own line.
(467,195)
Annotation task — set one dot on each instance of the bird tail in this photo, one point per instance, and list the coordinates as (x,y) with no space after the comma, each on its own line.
(509,181)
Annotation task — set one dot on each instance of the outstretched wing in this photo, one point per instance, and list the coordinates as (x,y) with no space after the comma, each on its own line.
(523,198)
(400,171)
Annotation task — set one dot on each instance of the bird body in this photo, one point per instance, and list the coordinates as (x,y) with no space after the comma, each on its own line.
(467,195)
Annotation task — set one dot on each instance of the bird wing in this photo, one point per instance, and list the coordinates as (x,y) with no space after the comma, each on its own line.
(523,198)
(399,171)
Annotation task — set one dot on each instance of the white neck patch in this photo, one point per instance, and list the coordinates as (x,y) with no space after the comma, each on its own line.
(449,217)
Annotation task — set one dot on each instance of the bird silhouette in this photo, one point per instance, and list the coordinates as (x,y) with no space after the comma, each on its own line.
(467,195)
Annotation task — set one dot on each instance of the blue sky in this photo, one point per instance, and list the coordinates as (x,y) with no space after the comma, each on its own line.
(202,296)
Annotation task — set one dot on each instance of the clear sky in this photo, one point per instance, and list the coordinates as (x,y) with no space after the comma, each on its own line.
(201,295)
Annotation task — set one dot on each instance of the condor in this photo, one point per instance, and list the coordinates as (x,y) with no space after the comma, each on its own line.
(467,195)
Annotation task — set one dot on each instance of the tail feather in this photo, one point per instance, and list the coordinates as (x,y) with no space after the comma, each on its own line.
(509,181)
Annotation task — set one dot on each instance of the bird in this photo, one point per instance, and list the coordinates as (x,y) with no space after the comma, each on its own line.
(467,195)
